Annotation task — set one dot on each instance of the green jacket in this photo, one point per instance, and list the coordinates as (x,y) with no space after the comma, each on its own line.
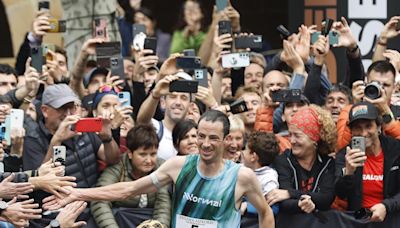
(121,172)
(180,43)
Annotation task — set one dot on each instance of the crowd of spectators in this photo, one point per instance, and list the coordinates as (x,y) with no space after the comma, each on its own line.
(256,144)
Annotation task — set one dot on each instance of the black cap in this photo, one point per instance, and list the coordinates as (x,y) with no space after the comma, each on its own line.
(363,111)
(95,71)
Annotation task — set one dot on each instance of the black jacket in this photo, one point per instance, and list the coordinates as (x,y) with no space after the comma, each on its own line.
(322,190)
(350,187)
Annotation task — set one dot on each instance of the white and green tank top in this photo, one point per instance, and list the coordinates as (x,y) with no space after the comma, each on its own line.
(203,202)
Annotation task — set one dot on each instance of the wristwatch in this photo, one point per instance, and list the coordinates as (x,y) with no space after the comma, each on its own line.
(3,206)
(386,118)
(54,223)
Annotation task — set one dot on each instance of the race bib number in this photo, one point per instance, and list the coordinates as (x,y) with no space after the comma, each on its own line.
(188,222)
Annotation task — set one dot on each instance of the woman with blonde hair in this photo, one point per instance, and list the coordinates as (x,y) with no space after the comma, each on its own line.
(306,172)
(234,142)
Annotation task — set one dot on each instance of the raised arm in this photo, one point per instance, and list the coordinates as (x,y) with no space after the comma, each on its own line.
(389,31)
(77,73)
(149,106)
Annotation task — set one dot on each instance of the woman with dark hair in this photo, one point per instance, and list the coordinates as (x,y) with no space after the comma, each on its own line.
(191,29)
(146,17)
(184,137)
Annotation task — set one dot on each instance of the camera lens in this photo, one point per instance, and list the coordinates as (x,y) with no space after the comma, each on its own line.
(121,95)
(372,91)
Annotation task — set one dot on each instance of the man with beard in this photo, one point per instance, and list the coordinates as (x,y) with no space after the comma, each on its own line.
(209,189)
(176,108)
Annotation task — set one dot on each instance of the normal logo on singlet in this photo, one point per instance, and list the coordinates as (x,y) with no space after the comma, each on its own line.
(196,199)
(372,177)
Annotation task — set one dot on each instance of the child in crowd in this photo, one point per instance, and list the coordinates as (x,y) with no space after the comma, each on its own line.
(260,152)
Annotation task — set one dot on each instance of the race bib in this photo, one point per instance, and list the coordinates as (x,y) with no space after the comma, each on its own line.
(188,222)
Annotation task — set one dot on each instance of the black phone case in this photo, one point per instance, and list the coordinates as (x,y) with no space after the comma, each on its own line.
(184,86)
(254,41)
(117,66)
(224,27)
(104,51)
(150,43)
(188,62)
(238,106)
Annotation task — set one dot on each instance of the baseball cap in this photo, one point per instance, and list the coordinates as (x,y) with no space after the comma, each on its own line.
(362,111)
(58,95)
(95,71)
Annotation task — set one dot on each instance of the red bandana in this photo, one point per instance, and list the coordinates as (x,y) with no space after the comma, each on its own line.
(306,119)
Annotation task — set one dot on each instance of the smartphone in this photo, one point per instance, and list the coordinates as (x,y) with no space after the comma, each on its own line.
(253,41)
(188,62)
(138,28)
(238,106)
(333,37)
(283,32)
(45,51)
(201,75)
(124,98)
(104,51)
(14,120)
(189,52)
(286,95)
(37,58)
(117,66)
(358,142)
(44,5)
(221,4)
(150,43)
(3,130)
(326,28)
(236,60)
(17,118)
(139,36)
(57,26)
(224,27)
(99,28)
(7,129)
(59,154)
(184,86)
(88,125)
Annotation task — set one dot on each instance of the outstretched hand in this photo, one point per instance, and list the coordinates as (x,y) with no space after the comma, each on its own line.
(53,202)
(70,213)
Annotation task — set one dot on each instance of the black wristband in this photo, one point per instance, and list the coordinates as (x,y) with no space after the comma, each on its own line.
(107,140)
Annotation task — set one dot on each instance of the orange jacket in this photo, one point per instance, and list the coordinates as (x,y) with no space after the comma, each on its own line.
(264,119)
(264,122)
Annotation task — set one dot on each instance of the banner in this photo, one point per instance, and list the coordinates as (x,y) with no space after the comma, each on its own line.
(366,19)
